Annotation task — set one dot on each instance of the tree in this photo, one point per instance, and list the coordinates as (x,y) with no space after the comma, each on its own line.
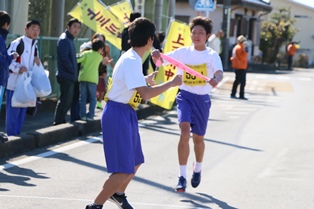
(40,11)
(276,33)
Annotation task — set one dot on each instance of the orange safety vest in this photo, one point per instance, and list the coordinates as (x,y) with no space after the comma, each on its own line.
(291,49)
(239,57)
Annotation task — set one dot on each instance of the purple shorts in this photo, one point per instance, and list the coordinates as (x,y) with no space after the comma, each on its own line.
(194,109)
(121,139)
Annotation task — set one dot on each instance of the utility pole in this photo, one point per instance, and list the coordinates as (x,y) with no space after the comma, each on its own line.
(226,29)
(171,10)
(57,21)
(2,5)
(158,14)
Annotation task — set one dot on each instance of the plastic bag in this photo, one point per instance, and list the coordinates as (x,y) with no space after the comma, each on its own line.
(24,94)
(40,81)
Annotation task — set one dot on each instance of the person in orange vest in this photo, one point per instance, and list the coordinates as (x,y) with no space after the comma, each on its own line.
(239,64)
(291,49)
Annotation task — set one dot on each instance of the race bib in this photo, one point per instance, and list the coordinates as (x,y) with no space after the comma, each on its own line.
(191,80)
(135,100)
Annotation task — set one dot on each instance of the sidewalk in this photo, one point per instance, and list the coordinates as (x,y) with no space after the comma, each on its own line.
(38,131)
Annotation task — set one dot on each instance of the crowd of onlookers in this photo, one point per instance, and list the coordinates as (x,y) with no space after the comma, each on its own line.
(81,77)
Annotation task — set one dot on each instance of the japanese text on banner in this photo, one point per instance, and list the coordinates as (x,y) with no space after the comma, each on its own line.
(100,19)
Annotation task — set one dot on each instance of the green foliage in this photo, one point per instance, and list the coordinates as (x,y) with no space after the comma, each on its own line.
(276,33)
(40,10)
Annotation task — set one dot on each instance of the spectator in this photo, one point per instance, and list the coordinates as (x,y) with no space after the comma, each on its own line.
(67,74)
(5,59)
(26,46)
(88,78)
(161,37)
(106,48)
(239,63)
(156,45)
(121,139)
(193,101)
(291,49)
(101,86)
(125,45)
(214,41)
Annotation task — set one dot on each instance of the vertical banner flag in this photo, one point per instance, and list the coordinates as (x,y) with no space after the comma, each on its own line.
(178,35)
(122,11)
(99,18)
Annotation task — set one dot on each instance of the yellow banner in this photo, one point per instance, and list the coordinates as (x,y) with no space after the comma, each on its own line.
(178,35)
(96,16)
(122,11)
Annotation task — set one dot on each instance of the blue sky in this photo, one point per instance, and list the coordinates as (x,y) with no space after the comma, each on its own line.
(305,2)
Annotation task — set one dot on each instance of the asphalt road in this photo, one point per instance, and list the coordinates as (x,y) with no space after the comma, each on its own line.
(259,155)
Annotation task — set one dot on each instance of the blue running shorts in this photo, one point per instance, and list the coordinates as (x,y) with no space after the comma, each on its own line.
(193,108)
(121,139)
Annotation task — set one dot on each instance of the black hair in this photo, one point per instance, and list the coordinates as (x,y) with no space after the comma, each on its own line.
(140,30)
(73,20)
(96,35)
(97,44)
(4,18)
(134,15)
(161,36)
(32,22)
(202,21)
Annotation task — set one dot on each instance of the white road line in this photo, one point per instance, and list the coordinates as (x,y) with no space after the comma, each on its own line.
(273,164)
(85,200)
(261,76)
(305,79)
(237,113)
(49,153)
(280,77)
(252,85)
(235,105)
(239,108)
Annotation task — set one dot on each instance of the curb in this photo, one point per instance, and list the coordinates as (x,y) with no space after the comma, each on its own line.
(51,135)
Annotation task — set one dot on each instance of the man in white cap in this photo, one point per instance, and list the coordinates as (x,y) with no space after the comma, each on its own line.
(239,64)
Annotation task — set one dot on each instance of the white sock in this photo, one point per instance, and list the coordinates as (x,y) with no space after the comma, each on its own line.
(183,170)
(197,167)
(120,193)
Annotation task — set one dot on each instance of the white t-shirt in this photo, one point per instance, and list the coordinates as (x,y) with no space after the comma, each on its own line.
(127,75)
(206,62)
(214,43)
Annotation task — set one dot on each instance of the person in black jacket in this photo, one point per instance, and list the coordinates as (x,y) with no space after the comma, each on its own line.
(125,45)
(67,73)
(5,59)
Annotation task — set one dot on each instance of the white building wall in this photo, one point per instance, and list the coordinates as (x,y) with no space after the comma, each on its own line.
(19,16)
(185,10)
